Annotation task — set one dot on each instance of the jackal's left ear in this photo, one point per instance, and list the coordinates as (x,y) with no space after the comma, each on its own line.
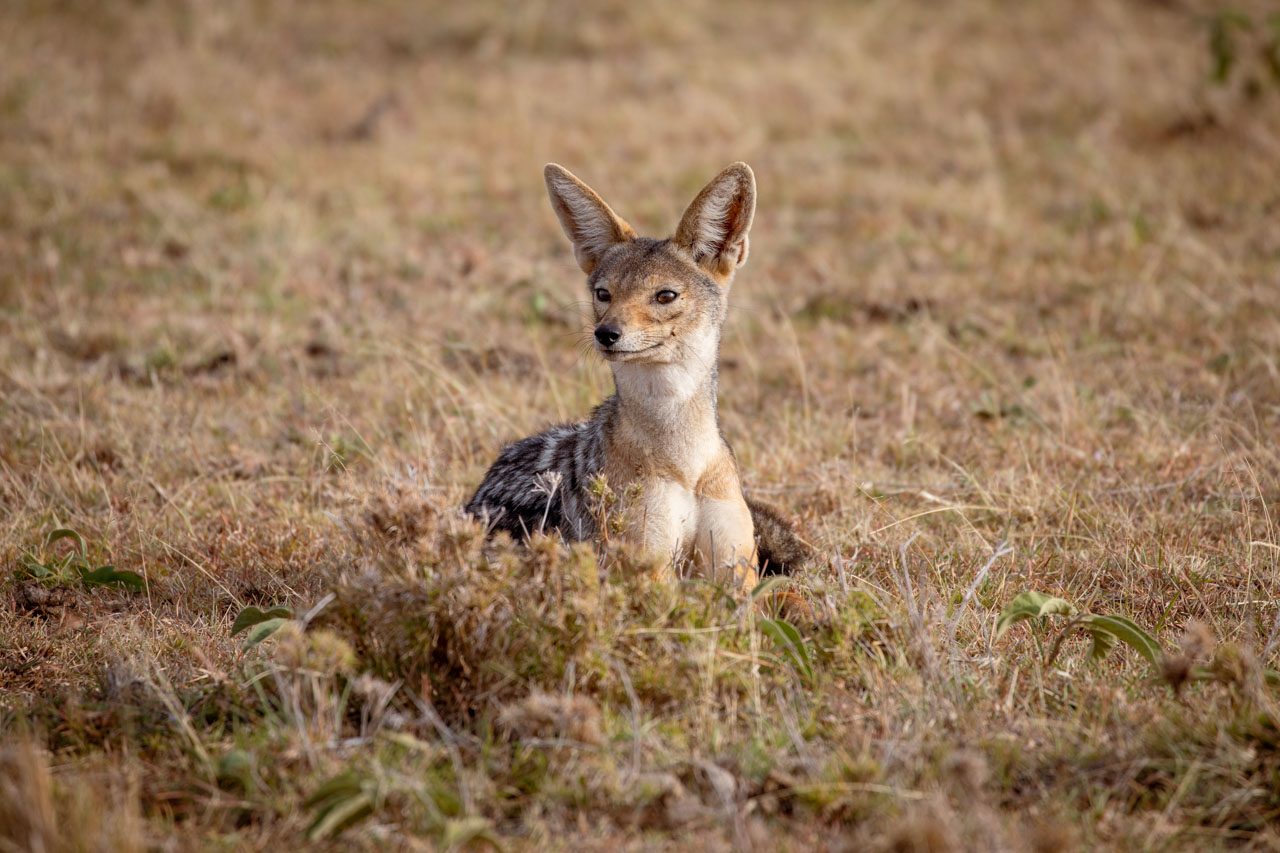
(714,227)
(591,226)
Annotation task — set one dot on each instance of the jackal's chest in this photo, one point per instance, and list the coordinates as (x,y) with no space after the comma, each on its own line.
(709,527)
(668,514)
(689,504)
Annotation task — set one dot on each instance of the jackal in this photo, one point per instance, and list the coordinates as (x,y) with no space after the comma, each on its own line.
(658,306)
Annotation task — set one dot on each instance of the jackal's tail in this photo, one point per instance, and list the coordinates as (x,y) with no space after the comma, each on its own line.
(778,549)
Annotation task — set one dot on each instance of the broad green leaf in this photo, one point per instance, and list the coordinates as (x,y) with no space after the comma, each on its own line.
(1030,605)
(263,630)
(108,575)
(67,533)
(252,615)
(1127,632)
(1103,642)
(790,643)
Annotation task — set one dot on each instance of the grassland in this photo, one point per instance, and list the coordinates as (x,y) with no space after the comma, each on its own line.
(278,279)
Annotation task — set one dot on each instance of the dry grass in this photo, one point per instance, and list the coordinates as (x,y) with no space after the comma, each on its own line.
(276,280)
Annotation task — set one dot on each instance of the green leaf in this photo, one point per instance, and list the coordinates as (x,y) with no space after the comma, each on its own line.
(339,803)
(334,789)
(790,644)
(252,615)
(263,630)
(39,571)
(1030,605)
(1103,643)
(108,575)
(768,585)
(67,533)
(1127,632)
(338,816)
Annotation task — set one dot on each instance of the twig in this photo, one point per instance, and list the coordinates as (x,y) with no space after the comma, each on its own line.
(1001,549)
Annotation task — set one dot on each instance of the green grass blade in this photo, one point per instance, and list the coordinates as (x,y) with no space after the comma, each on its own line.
(790,644)
(337,816)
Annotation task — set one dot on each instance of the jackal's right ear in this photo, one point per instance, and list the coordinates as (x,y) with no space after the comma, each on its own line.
(587,221)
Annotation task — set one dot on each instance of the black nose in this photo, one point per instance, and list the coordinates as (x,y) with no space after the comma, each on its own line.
(607,335)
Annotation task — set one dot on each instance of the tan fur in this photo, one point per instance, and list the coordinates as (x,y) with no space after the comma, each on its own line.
(665,437)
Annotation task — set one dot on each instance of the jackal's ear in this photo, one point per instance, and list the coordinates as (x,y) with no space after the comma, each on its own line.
(714,227)
(587,221)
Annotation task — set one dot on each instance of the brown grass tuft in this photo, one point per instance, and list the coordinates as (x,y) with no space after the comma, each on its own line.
(925,829)
(969,773)
(542,715)
(1197,641)
(95,813)
(1052,835)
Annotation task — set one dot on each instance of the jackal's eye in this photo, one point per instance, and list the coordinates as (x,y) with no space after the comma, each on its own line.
(666,297)
(602,294)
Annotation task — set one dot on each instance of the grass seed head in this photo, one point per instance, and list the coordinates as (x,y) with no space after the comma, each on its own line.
(1197,640)
(1175,670)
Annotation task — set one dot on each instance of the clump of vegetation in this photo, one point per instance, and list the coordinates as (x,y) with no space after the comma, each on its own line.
(73,566)
(478,624)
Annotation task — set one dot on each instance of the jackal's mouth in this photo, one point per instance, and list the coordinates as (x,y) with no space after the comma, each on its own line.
(614,354)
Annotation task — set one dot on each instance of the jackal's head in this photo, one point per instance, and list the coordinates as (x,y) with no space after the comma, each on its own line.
(658,301)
